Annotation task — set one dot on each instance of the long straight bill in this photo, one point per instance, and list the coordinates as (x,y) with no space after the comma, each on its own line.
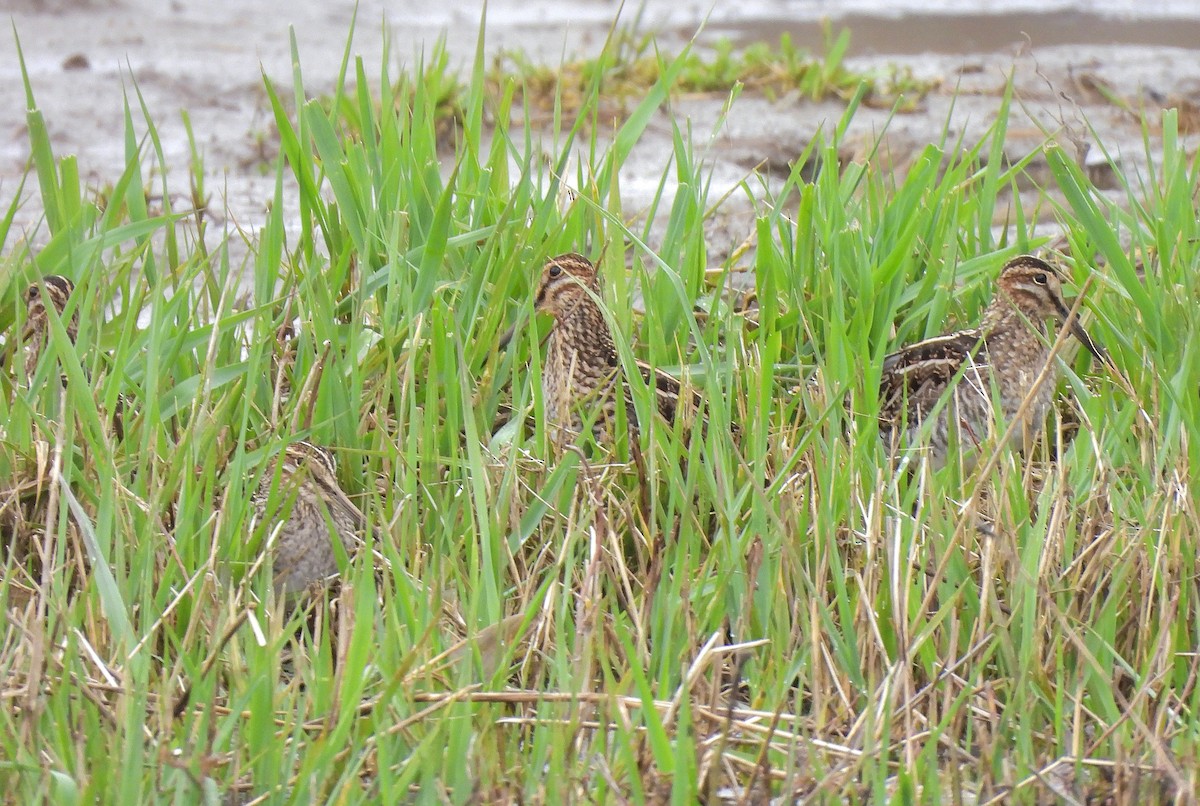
(502,344)
(1072,320)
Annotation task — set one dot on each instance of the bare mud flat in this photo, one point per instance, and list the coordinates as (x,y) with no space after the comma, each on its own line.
(1069,61)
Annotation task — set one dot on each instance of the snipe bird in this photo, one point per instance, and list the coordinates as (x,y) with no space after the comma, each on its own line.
(309,500)
(581,376)
(56,290)
(992,368)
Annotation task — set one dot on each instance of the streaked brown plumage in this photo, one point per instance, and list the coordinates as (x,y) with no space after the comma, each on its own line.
(309,500)
(57,290)
(1006,353)
(581,374)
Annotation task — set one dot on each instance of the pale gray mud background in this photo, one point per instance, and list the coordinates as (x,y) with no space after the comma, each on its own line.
(1069,60)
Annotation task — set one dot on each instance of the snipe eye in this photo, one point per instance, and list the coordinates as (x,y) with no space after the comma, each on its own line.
(33,292)
(1040,279)
(555,270)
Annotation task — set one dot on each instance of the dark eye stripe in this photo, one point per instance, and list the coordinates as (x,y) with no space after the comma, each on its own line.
(316,454)
(59,283)
(58,289)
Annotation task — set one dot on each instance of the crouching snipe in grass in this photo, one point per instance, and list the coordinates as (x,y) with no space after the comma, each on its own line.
(306,492)
(993,370)
(581,376)
(56,290)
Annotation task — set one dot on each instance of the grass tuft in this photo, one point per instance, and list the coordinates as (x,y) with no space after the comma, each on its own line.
(631,62)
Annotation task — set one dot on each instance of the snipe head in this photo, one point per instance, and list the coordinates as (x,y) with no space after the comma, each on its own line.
(1033,288)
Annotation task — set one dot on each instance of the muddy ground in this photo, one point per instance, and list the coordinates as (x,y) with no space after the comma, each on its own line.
(1070,62)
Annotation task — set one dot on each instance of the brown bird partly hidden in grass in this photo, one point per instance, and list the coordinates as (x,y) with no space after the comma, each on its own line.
(993,368)
(56,290)
(301,488)
(581,376)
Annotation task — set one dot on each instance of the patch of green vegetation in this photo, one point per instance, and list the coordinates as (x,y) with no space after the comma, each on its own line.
(633,62)
(433,78)
(560,628)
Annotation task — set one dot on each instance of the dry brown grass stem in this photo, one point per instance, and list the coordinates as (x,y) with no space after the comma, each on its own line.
(37,636)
